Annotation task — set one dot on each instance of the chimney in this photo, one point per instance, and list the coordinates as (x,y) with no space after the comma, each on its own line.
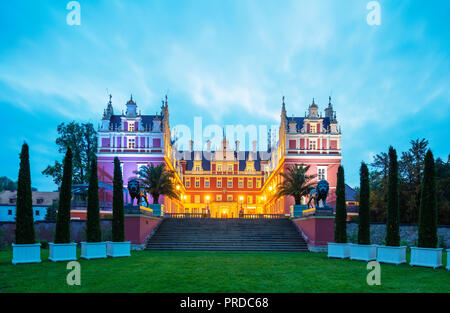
(191,145)
(237,146)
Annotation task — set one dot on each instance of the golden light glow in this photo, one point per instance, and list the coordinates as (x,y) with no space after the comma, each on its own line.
(184,197)
(178,187)
(241,198)
(270,188)
(207,198)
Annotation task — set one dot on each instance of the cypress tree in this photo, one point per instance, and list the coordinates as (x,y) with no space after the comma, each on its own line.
(93,231)
(392,218)
(428,206)
(340,221)
(62,232)
(24,210)
(118,225)
(364,207)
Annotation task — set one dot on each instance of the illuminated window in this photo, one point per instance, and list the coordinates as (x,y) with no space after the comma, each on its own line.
(258,183)
(197,199)
(197,183)
(229,198)
(250,183)
(230,168)
(218,198)
(249,199)
(230,182)
(313,128)
(188,183)
(312,145)
(321,172)
(131,126)
(241,183)
(206,182)
(197,168)
(219,182)
(131,143)
(219,167)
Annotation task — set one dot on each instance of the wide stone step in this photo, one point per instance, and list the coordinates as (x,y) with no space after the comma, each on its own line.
(227,235)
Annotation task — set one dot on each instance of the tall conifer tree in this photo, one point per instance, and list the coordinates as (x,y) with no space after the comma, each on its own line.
(24,210)
(392,218)
(93,230)
(364,207)
(118,225)
(62,232)
(340,221)
(428,206)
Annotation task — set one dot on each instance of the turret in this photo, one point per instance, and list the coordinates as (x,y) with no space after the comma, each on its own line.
(313,110)
(131,107)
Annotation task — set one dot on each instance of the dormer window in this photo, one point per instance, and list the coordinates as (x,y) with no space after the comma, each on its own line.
(313,128)
(131,126)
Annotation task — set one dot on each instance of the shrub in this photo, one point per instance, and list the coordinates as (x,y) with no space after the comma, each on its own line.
(428,206)
(340,221)
(24,210)
(392,219)
(62,231)
(93,230)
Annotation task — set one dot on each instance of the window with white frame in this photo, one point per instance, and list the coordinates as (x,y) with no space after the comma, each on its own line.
(230,182)
(218,198)
(313,128)
(197,168)
(229,198)
(131,143)
(131,126)
(188,183)
(206,182)
(312,144)
(230,167)
(219,182)
(249,199)
(197,182)
(219,167)
(321,172)
(249,182)
(241,183)
(258,183)
(197,199)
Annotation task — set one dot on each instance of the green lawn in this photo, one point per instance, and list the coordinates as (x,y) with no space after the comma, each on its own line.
(155,271)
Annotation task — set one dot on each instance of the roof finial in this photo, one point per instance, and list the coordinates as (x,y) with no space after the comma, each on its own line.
(313,101)
(329,100)
(110,97)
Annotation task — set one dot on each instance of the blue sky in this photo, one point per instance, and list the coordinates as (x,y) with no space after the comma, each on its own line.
(229,62)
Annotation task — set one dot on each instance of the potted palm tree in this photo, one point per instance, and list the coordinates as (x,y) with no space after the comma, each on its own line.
(427,253)
(93,248)
(157,181)
(364,250)
(340,248)
(118,247)
(25,249)
(392,252)
(62,249)
(297,184)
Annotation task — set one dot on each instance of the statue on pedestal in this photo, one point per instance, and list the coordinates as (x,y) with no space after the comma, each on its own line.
(320,193)
(134,189)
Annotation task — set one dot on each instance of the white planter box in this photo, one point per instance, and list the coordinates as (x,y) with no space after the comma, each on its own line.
(26,253)
(338,250)
(393,255)
(363,252)
(429,257)
(93,250)
(118,249)
(62,251)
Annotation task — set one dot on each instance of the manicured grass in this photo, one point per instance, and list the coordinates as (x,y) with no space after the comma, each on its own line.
(157,271)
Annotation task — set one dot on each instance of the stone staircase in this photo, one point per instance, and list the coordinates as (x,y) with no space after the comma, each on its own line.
(208,234)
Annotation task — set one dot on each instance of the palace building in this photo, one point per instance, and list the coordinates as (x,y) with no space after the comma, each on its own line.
(226,181)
